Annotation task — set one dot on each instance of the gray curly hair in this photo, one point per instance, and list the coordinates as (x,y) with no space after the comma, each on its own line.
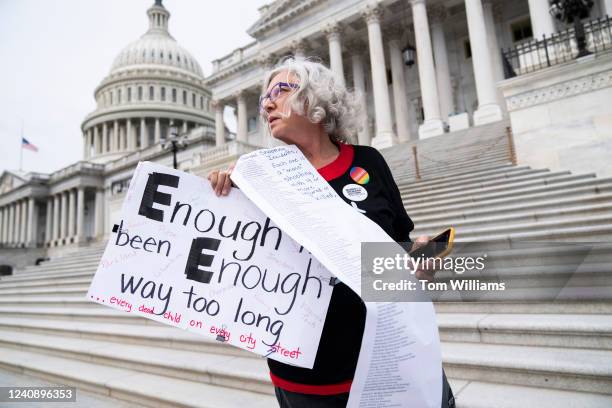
(321,97)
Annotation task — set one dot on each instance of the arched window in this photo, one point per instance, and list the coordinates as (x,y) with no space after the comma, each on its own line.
(170,56)
(111,97)
(193,100)
(161,54)
(118,95)
(184,97)
(163,93)
(129,94)
(201,102)
(174,95)
(140,93)
(151,93)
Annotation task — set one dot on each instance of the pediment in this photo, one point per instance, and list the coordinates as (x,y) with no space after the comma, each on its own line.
(10,180)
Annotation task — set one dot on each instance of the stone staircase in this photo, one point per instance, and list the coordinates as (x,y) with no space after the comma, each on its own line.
(496,354)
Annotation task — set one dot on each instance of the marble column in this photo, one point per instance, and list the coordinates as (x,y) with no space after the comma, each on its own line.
(333,31)
(99,213)
(49,221)
(11,224)
(157,131)
(432,123)
(71,213)
(384,125)
(24,222)
(2,223)
(542,22)
(86,144)
(56,217)
(219,125)
(400,97)
(32,223)
(488,108)
(144,136)
(359,84)
(104,137)
(17,228)
(63,215)
(492,15)
(241,134)
(96,140)
(116,140)
(131,138)
(438,15)
(80,214)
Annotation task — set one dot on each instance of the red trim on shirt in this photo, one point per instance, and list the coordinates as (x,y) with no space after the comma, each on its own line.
(340,165)
(328,389)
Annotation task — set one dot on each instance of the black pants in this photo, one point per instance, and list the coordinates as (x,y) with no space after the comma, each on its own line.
(287,399)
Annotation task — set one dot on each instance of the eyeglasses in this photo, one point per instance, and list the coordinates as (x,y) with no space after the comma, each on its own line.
(277,90)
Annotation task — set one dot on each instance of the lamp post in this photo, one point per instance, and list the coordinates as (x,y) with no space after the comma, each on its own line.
(175,143)
(572,12)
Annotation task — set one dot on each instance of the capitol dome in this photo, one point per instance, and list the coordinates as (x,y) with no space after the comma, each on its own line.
(152,83)
(157,47)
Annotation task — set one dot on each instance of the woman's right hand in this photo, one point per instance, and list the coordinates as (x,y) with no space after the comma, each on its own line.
(220,180)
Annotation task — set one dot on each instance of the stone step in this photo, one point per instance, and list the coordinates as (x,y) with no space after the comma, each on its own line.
(588,331)
(507,185)
(229,371)
(560,204)
(478,183)
(150,390)
(53,266)
(461,175)
(50,301)
(463,233)
(71,312)
(561,188)
(561,368)
(435,171)
(602,307)
(55,278)
(479,394)
(56,292)
(155,334)
(446,172)
(43,282)
(601,232)
(528,198)
(495,175)
(519,216)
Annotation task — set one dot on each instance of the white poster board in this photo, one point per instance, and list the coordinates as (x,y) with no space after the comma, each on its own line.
(215,266)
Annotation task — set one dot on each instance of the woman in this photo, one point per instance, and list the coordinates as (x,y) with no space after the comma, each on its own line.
(306,105)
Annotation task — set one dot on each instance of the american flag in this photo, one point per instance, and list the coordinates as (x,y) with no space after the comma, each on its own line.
(27,145)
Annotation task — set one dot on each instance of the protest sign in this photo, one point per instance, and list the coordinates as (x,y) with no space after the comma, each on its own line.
(215,266)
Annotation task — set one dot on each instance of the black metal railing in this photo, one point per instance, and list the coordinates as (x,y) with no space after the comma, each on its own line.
(537,54)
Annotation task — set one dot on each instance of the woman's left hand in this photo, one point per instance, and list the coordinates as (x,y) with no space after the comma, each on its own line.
(426,270)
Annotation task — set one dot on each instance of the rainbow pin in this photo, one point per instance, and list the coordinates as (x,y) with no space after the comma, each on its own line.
(360,175)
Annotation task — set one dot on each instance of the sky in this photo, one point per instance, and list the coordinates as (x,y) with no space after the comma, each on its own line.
(54,53)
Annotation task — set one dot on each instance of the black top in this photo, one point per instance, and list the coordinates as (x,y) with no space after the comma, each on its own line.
(373,190)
